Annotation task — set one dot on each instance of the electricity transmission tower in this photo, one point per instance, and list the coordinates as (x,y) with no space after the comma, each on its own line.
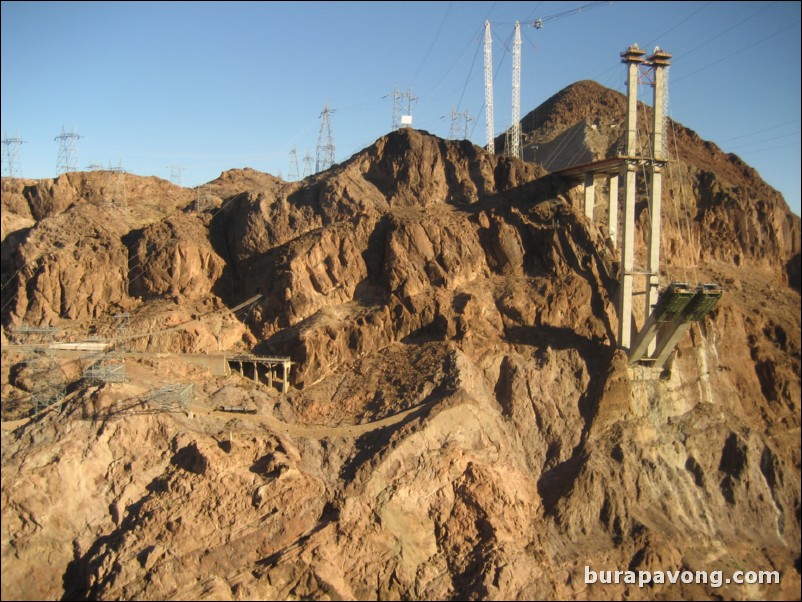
(515,151)
(459,131)
(175,174)
(491,145)
(401,118)
(67,151)
(117,187)
(292,172)
(11,156)
(325,142)
(307,164)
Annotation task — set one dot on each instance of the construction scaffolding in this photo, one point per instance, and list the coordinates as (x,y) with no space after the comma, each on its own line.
(41,369)
(106,370)
(173,397)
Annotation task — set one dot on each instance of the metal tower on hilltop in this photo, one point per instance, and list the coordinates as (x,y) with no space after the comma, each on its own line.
(401,118)
(307,164)
(515,151)
(491,146)
(116,186)
(175,174)
(67,151)
(292,172)
(11,156)
(325,142)
(459,131)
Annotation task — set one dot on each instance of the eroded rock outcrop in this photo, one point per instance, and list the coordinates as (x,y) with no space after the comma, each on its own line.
(461,424)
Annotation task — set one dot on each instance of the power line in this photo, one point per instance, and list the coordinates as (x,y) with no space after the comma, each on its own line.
(436,37)
(739,51)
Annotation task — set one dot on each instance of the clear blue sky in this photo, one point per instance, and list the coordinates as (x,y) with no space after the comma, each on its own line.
(213,86)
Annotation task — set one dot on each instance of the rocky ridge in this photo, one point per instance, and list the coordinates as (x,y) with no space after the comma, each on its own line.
(423,278)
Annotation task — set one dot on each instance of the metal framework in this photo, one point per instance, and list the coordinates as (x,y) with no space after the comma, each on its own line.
(491,145)
(173,397)
(175,174)
(10,158)
(325,142)
(203,201)
(459,131)
(515,151)
(44,371)
(67,151)
(106,370)
(400,117)
(292,172)
(122,327)
(307,164)
(117,185)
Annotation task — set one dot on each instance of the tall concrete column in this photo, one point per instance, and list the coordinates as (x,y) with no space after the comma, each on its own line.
(659,60)
(612,213)
(590,195)
(633,57)
(627,258)
(653,257)
(285,384)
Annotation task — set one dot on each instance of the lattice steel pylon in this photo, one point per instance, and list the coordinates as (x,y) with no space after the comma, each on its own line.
(307,164)
(325,142)
(67,151)
(117,185)
(459,131)
(398,108)
(175,174)
(292,172)
(204,199)
(515,151)
(10,159)
(491,145)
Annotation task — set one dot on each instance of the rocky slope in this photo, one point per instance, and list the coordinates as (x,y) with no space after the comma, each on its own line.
(461,424)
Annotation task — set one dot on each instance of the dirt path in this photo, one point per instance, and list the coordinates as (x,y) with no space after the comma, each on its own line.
(10,425)
(314,431)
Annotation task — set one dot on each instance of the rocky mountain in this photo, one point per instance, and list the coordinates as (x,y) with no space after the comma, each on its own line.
(461,423)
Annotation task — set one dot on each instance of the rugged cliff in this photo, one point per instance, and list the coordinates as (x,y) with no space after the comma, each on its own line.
(461,423)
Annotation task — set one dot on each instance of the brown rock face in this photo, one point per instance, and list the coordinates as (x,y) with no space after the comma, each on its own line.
(461,424)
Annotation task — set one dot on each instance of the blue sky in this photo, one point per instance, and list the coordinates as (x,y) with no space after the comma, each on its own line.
(213,86)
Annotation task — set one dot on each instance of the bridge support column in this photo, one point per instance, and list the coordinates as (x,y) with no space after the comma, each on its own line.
(285,381)
(590,195)
(627,259)
(612,214)
(633,57)
(659,61)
